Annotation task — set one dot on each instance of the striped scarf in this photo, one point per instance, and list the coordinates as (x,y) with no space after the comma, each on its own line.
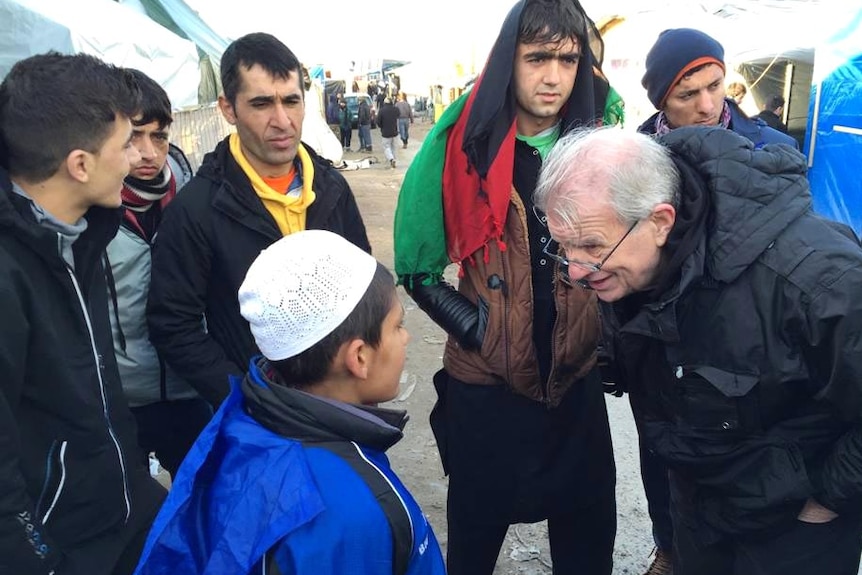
(140,195)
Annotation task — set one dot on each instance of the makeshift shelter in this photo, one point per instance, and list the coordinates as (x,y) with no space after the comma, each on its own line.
(105,29)
(315,131)
(769,46)
(834,137)
(179,18)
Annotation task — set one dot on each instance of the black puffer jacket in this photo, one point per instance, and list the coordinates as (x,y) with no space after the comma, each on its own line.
(71,475)
(754,358)
(210,235)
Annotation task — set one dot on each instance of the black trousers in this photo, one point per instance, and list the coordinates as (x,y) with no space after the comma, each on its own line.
(513,460)
(170,428)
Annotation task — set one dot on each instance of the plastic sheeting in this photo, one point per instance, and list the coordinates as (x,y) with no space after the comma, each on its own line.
(179,18)
(105,29)
(834,137)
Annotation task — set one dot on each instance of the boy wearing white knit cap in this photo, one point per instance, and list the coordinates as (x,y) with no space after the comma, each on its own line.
(291,475)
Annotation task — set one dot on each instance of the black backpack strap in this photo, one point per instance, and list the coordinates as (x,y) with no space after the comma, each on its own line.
(389,500)
(270,565)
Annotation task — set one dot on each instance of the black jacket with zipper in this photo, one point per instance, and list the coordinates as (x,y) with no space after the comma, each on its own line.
(71,475)
(748,370)
(209,236)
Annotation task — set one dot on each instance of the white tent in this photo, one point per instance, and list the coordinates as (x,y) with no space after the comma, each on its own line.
(754,31)
(105,29)
(315,131)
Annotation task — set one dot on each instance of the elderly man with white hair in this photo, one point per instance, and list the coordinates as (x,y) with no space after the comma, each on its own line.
(732,313)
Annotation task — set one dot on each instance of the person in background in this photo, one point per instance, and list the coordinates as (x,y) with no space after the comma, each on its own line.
(292,476)
(332,115)
(405,118)
(168,411)
(736,91)
(387,119)
(520,418)
(684,80)
(75,496)
(364,114)
(773,112)
(734,313)
(344,125)
(259,184)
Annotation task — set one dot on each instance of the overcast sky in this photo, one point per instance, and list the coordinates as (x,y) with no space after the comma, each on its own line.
(337,31)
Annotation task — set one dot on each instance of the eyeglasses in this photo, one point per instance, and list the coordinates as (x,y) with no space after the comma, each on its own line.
(586,266)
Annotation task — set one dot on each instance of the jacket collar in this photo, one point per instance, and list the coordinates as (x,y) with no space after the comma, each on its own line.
(309,418)
(16,216)
(235,197)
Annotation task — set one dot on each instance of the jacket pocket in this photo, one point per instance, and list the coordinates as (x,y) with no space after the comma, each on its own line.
(84,493)
(760,488)
(55,481)
(708,399)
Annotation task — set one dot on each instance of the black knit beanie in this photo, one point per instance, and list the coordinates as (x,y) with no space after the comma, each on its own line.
(675,53)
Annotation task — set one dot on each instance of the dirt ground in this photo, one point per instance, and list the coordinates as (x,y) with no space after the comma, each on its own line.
(415,458)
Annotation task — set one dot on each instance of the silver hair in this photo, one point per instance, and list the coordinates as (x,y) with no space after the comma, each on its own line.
(636,171)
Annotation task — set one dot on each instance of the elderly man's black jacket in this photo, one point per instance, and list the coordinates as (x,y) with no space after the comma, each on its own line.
(747,372)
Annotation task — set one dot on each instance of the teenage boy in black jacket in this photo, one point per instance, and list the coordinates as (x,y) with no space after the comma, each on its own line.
(75,496)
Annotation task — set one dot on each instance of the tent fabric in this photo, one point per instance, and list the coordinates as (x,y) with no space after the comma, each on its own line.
(179,18)
(117,35)
(834,135)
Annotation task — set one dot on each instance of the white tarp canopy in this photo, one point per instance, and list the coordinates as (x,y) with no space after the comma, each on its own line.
(762,31)
(103,28)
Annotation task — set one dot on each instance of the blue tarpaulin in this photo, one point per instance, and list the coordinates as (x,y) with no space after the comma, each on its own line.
(834,136)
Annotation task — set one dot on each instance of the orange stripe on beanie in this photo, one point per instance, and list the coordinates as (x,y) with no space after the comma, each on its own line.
(676,52)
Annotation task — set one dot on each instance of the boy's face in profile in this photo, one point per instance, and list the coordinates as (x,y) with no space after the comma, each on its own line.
(386,360)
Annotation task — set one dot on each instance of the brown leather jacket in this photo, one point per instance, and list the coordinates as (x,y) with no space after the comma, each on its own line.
(507,354)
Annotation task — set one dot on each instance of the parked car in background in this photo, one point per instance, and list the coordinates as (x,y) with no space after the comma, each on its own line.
(352,99)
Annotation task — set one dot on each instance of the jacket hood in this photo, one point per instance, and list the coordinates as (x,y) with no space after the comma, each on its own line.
(755,193)
(212,166)
(494,107)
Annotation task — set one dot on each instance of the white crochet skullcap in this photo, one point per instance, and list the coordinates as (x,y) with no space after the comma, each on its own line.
(301,288)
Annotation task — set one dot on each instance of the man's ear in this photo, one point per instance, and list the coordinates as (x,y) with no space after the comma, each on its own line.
(356,359)
(79,164)
(227,110)
(662,217)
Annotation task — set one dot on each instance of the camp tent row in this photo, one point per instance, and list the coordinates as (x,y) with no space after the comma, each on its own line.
(808,50)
